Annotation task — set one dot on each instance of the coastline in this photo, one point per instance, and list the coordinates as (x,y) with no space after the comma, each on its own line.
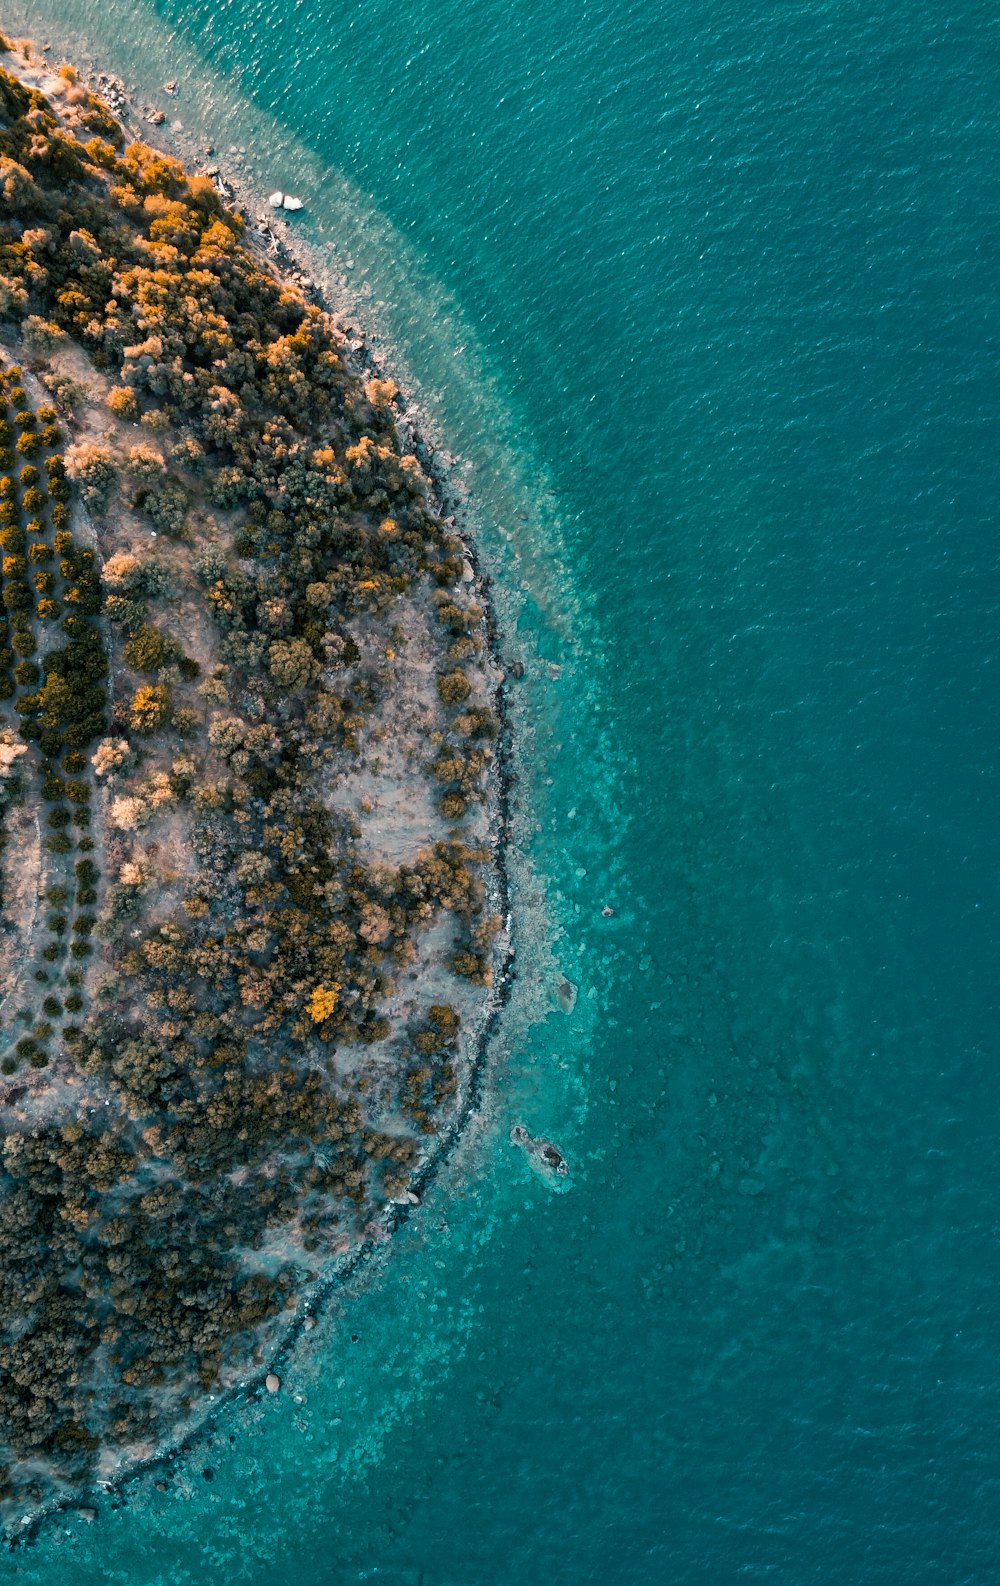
(364,359)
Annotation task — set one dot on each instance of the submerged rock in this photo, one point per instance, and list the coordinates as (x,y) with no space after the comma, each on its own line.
(544,1157)
(567,993)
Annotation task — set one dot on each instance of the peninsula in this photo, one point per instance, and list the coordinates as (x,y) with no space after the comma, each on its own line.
(251,920)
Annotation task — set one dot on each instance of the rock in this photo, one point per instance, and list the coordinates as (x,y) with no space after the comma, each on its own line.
(309,1324)
(276,200)
(288,202)
(170,88)
(566,992)
(90,1515)
(544,1157)
(517,669)
(156,118)
(607,911)
(272,1382)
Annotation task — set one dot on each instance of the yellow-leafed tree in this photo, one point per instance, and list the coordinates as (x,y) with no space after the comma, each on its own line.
(322,1002)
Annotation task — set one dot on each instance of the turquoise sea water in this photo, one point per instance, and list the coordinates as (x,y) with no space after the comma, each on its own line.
(705,297)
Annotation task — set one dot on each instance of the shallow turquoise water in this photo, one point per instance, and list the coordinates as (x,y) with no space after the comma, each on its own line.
(706,298)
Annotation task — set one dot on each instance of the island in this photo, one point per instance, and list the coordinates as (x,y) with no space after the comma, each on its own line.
(253,901)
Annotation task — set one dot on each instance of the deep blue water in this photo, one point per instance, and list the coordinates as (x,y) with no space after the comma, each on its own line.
(706,297)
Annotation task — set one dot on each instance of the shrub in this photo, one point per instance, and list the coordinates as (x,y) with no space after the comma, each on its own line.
(41,337)
(454,687)
(93,467)
(167,506)
(146,650)
(113,757)
(145,462)
(149,708)
(122,401)
(291,663)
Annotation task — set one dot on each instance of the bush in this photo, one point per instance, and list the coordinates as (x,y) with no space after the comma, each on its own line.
(291,663)
(167,506)
(145,462)
(93,467)
(149,708)
(41,337)
(146,650)
(454,688)
(123,402)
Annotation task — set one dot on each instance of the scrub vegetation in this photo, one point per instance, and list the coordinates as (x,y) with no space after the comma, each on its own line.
(246,764)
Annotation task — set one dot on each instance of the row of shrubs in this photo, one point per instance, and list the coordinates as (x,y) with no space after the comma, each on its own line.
(60,700)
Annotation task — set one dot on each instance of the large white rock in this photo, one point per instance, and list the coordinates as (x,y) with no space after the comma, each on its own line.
(276,200)
(288,202)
